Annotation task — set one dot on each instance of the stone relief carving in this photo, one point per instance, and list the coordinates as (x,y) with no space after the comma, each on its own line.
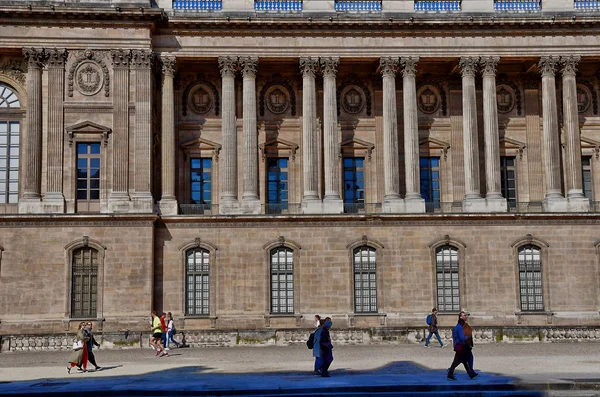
(56,57)
(505,98)
(15,69)
(512,86)
(200,95)
(584,98)
(428,99)
(308,66)
(353,99)
(277,95)
(588,86)
(88,73)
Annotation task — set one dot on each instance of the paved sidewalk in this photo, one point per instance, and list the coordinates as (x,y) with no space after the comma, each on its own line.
(388,370)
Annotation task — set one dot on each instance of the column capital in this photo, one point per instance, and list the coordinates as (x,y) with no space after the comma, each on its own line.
(142,59)
(120,58)
(167,64)
(56,57)
(389,66)
(569,64)
(329,65)
(308,66)
(468,66)
(228,65)
(35,57)
(409,66)
(249,66)
(547,65)
(488,65)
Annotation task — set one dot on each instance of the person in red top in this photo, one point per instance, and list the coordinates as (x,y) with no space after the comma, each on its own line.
(163,327)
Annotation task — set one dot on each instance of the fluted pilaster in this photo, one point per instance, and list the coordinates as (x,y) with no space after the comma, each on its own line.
(249,67)
(330,128)
(490,128)
(229,190)
(411,128)
(389,67)
(168,129)
(468,66)
(56,89)
(32,141)
(141,62)
(547,65)
(571,127)
(308,67)
(120,158)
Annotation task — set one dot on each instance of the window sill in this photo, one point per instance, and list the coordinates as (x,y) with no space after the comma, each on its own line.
(352,317)
(297,317)
(548,315)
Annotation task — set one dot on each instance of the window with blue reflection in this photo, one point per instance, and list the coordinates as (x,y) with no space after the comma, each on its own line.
(508,180)
(429,168)
(88,171)
(201,180)
(277,182)
(354,181)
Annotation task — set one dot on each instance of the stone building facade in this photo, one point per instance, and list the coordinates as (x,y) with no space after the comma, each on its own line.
(248,164)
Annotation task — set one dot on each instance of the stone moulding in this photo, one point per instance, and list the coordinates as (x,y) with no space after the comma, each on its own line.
(92,58)
(126,339)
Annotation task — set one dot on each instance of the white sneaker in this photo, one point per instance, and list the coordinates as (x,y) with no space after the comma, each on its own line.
(426,346)
(167,349)
(442,346)
(153,348)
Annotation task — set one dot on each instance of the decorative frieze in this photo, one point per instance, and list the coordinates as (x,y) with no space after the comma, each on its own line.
(16,70)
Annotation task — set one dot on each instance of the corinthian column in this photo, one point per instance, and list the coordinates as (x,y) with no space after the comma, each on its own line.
(468,66)
(141,62)
(119,196)
(229,190)
(389,67)
(571,128)
(330,136)
(310,148)
(550,142)
(250,199)
(168,201)
(491,135)
(414,201)
(32,139)
(54,200)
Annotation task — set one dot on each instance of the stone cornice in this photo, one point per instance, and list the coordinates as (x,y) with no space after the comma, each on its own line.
(70,16)
(74,220)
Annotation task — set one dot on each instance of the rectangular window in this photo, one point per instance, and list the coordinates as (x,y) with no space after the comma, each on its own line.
(508,180)
(9,162)
(354,184)
(88,177)
(365,280)
(201,181)
(197,272)
(282,281)
(588,187)
(84,288)
(277,185)
(530,278)
(448,292)
(429,168)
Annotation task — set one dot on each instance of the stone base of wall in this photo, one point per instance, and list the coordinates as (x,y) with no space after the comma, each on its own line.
(139,340)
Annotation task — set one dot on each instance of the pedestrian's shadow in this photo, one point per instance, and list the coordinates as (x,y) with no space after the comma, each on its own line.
(108,368)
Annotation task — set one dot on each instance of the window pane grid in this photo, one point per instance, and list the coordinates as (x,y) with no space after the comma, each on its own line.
(282,281)
(530,278)
(365,280)
(354,183)
(9,161)
(448,292)
(201,181)
(88,171)
(197,293)
(508,180)
(429,169)
(588,187)
(84,291)
(277,184)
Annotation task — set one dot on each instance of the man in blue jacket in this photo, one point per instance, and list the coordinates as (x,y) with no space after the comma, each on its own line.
(460,348)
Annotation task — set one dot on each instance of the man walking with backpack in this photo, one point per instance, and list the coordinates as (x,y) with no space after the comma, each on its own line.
(433,328)
(314,343)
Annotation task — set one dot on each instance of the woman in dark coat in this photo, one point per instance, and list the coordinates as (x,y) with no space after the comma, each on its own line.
(79,357)
(326,348)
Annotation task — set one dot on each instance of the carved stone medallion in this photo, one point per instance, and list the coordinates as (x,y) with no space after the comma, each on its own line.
(353,99)
(277,99)
(505,98)
(583,98)
(200,99)
(428,99)
(88,78)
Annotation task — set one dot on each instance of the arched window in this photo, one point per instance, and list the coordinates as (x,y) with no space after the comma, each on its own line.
(446,269)
(365,280)
(530,278)
(197,275)
(282,280)
(84,278)
(10,129)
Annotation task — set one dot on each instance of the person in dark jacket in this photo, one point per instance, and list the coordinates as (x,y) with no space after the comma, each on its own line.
(433,329)
(460,342)
(326,348)
(91,342)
